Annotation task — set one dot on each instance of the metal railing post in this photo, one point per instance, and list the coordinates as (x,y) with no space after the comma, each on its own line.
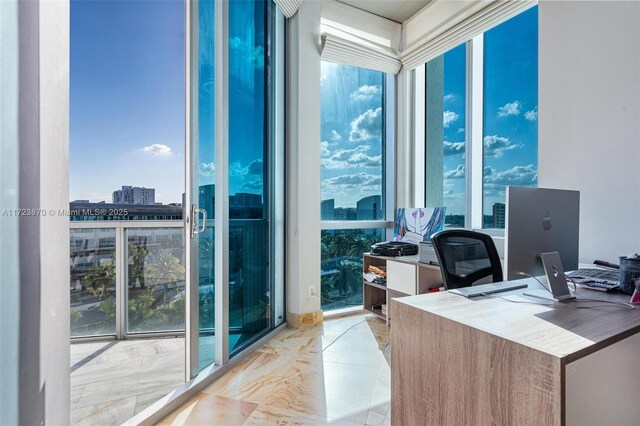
(121,283)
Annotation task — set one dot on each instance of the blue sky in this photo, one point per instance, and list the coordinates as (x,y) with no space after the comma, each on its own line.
(126,98)
(351,130)
(510,112)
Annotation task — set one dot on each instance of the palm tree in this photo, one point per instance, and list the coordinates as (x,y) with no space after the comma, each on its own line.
(102,276)
(166,269)
(137,255)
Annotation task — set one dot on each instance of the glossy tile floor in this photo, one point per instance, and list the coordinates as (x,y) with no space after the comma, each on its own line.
(335,374)
(112,381)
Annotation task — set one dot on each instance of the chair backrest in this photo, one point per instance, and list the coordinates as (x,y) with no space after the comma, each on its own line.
(466,257)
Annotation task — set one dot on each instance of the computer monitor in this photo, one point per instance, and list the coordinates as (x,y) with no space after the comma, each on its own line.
(540,220)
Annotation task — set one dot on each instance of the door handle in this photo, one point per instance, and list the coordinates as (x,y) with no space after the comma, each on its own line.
(198,227)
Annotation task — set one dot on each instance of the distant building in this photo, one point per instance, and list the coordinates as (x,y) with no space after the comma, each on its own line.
(134,195)
(207,198)
(499,215)
(344,213)
(370,208)
(109,211)
(327,209)
(245,200)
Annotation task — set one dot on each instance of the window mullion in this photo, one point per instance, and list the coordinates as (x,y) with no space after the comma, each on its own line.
(474,158)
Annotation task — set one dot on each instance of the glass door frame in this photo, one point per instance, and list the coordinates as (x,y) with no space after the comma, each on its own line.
(276,206)
(221,206)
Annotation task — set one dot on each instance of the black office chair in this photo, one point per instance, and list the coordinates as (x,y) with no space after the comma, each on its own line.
(466,257)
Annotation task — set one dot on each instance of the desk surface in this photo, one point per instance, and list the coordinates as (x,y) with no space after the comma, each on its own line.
(565,330)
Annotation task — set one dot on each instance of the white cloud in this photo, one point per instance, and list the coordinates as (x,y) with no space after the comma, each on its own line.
(452,148)
(510,108)
(335,136)
(449,97)
(496,181)
(449,117)
(532,115)
(207,169)
(352,181)
(324,149)
(366,126)
(356,157)
(457,173)
(496,146)
(255,167)
(256,53)
(157,149)
(461,130)
(366,93)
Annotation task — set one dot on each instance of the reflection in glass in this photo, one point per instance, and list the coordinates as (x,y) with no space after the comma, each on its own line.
(205,179)
(352,129)
(341,275)
(155,271)
(510,136)
(445,133)
(93,282)
(249,284)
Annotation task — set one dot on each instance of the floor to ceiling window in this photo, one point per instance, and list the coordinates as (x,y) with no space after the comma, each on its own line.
(353,168)
(510,136)
(253,170)
(504,136)
(446,108)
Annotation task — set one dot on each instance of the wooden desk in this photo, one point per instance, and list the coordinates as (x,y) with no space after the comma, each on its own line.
(486,360)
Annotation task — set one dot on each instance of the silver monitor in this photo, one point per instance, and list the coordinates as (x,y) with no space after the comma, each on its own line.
(540,220)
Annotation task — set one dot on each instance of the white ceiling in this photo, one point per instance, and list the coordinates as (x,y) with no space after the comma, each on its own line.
(395,10)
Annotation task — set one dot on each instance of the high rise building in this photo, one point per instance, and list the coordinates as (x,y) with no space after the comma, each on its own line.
(499,211)
(134,195)
(327,209)
(369,208)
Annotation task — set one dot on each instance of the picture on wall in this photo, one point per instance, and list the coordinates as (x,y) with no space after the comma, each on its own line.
(418,224)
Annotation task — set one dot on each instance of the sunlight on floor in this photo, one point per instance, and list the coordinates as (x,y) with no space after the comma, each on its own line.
(335,373)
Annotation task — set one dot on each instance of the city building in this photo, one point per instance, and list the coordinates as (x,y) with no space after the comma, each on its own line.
(134,195)
(499,211)
(327,208)
(369,208)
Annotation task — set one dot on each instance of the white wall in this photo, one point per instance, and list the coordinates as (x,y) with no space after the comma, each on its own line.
(303,158)
(589,118)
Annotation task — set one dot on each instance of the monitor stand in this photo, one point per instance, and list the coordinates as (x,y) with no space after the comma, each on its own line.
(544,294)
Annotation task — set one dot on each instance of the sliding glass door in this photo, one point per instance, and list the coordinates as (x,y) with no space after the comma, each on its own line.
(235,190)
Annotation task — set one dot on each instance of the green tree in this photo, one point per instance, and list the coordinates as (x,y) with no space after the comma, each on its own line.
(137,256)
(166,269)
(102,277)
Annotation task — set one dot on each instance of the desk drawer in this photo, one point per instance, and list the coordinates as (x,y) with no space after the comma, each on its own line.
(401,277)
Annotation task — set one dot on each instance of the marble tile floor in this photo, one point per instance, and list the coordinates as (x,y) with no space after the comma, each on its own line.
(335,374)
(111,381)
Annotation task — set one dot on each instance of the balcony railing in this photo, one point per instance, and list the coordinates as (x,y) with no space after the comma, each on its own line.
(127,277)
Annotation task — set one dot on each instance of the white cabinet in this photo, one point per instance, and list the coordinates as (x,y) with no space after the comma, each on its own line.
(401,277)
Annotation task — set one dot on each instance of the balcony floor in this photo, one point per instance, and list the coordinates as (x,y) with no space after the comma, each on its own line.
(111,381)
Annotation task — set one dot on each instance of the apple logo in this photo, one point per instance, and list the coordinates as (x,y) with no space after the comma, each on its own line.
(546,222)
